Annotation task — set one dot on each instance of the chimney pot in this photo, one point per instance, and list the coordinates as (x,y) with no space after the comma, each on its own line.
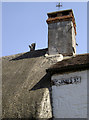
(32,47)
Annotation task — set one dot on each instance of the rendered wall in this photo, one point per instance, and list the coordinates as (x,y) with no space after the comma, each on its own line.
(60,36)
(70,100)
(73,39)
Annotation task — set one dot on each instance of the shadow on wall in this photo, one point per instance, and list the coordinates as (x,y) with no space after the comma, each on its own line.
(31,54)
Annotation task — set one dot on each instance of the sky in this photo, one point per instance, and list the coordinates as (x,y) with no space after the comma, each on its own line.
(25,22)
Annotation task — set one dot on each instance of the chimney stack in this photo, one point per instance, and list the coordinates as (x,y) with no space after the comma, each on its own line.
(61,33)
(32,47)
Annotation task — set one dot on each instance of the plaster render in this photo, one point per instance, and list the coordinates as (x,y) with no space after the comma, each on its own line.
(70,101)
(60,36)
(45,109)
(73,39)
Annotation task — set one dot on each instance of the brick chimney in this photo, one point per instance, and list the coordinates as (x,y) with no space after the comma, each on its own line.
(61,33)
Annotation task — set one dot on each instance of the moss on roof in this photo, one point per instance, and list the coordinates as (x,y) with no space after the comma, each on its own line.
(24,84)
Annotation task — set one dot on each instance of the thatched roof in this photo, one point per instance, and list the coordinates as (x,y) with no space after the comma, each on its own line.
(25,86)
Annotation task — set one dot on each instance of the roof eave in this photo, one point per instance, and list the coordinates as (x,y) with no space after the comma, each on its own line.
(69,68)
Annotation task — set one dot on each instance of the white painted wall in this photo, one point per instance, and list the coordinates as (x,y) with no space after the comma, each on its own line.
(70,100)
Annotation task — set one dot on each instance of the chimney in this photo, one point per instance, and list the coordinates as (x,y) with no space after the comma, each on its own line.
(32,47)
(61,33)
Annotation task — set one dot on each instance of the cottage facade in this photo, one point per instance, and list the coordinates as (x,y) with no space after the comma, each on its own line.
(69,87)
(48,83)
